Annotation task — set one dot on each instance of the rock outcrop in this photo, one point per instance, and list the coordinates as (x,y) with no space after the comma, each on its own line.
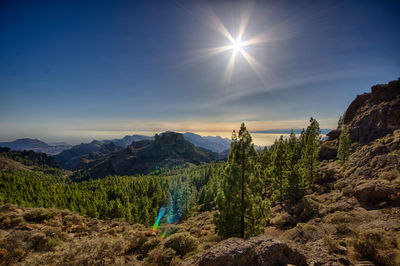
(373,115)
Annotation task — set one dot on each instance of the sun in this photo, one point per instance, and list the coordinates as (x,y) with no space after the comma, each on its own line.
(237,45)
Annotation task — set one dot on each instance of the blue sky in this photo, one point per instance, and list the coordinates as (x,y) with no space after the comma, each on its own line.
(73,70)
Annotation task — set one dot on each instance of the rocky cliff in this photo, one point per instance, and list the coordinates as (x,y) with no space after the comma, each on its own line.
(373,115)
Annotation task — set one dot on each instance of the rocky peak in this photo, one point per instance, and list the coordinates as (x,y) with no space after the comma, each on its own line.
(373,115)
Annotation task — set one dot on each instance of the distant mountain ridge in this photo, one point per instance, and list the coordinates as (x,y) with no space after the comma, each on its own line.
(215,144)
(70,157)
(127,140)
(34,145)
(166,149)
(287,131)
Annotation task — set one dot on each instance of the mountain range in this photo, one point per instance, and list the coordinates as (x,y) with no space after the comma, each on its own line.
(35,145)
(165,150)
(215,144)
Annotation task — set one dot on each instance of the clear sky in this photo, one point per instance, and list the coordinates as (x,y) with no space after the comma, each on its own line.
(73,70)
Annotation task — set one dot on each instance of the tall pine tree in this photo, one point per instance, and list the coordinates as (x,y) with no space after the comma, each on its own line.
(311,140)
(242,210)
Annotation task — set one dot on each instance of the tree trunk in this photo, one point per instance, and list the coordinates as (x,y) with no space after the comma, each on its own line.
(242,199)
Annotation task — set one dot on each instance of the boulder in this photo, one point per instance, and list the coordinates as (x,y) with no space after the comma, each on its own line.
(261,250)
(376,191)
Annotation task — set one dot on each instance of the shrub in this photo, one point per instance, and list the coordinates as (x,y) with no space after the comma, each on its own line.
(6,223)
(166,256)
(135,242)
(390,175)
(38,215)
(306,208)
(18,253)
(182,243)
(17,221)
(161,258)
(332,245)
(375,245)
(38,241)
(54,232)
(149,245)
(52,243)
(3,253)
(338,218)
(283,219)
(195,231)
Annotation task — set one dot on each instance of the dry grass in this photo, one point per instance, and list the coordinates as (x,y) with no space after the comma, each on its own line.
(39,236)
(377,246)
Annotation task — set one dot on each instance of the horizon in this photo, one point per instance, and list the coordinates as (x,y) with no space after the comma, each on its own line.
(259,138)
(77,71)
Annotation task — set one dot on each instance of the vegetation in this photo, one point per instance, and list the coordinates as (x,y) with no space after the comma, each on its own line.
(344,145)
(241,187)
(283,171)
(136,199)
(242,210)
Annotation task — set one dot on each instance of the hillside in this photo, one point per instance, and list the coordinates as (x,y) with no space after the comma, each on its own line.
(71,158)
(29,158)
(35,236)
(166,150)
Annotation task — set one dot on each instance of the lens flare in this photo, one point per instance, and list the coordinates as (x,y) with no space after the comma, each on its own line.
(163,235)
(161,213)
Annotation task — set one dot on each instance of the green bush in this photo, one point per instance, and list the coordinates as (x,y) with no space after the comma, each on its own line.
(182,243)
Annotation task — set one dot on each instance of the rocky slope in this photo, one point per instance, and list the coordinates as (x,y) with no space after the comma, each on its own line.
(167,149)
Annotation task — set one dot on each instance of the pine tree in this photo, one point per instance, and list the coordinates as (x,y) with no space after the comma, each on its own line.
(280,165)
(242,211)
(344,145)
(311,141)
(295,181)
